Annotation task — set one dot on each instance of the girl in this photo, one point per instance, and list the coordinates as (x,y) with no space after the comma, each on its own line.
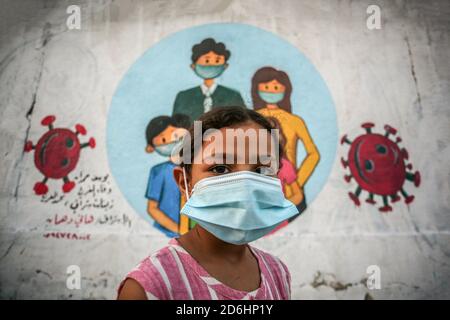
(271,95)
(233,202)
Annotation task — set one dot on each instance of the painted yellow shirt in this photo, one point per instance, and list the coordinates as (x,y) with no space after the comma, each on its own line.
(294,129)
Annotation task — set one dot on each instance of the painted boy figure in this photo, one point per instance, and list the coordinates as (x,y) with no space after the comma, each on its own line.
(209,61)
(163,133)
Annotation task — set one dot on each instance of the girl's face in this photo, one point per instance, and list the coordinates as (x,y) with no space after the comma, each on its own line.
(272,86)
(248,147)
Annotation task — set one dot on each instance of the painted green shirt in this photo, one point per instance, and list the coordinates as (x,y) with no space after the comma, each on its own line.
(190,102)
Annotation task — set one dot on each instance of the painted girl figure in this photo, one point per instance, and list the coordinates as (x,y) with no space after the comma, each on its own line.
(271,95)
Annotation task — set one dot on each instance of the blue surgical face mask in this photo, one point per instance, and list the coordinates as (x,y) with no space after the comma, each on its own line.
(271,97)
(165,150)
(238,207)
(209,72)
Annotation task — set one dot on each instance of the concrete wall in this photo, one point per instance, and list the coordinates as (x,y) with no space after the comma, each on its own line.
(398,75)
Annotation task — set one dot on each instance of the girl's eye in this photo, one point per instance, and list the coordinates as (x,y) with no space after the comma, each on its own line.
(267,87)
(220,170)
(217,61)
(163,140)
(207,61)
(265,171)
(276,88)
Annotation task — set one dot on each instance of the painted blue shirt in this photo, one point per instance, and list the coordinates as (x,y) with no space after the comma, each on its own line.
(162,188)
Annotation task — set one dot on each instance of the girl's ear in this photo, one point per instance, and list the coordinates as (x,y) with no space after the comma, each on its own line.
(149,149)
(179,179)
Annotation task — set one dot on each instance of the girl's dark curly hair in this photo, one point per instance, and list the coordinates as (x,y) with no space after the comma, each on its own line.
(222,117)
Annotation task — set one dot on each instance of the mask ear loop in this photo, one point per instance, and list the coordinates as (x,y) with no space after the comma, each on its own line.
(185,184)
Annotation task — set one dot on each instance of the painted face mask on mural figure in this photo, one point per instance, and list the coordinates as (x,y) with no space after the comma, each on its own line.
(238,207)
(271,97)
(167,149)
(209,71)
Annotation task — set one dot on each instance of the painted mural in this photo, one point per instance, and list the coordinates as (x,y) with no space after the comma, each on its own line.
(56,154)
(271,96)
(91,114)
(211,68)
(197,70)
(164,200)
(379,166)
(209,61)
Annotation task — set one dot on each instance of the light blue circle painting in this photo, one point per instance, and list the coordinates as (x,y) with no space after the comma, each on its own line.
(148,89)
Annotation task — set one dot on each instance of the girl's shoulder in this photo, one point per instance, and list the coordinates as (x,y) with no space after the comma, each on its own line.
(153,273)
(273,267)
(271,260)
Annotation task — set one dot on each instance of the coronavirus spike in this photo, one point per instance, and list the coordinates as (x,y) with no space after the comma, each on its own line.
(90,143)
(370,199)
(80,129)
(368,126)
(41,188)
(409,166)
(398,140)
(414,177)
(344,163)
(408,198)
(48,121)
(344,139)
(395,197)
(355,196)
(405,153)
(386,206)
(68,185)
(389,130)
(28,146)
(348,177)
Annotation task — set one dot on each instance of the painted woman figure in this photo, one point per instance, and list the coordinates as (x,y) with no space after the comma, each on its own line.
(271,95)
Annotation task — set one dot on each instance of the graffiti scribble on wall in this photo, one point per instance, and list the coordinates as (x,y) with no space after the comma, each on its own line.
(57,153)
(91,205)
(379,166)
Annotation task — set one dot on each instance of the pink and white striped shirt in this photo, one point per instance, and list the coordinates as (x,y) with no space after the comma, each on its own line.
(173,274)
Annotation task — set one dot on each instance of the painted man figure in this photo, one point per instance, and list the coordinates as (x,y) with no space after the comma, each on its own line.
(209,61)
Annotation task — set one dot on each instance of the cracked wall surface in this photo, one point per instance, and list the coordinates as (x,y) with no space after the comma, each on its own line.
(398,75)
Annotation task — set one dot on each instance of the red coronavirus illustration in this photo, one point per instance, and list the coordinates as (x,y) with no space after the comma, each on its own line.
(57,153)
(379,166)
